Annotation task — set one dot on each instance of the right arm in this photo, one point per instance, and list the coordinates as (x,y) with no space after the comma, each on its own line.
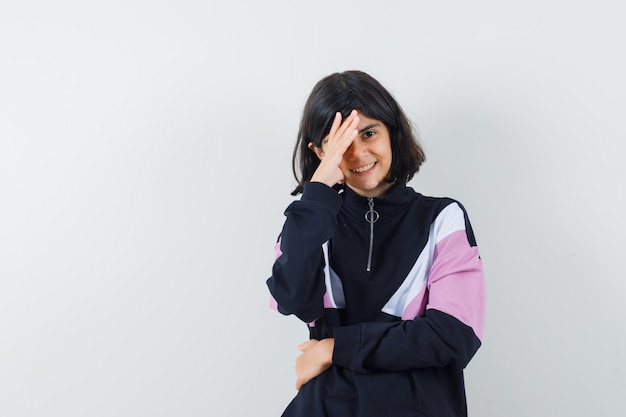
(297,281)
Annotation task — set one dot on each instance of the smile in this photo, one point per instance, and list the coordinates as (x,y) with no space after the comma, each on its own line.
(364,168)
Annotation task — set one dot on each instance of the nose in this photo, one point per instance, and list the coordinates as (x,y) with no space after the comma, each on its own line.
(356,150)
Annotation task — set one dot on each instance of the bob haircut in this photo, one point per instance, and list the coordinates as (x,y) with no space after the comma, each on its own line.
(344,92)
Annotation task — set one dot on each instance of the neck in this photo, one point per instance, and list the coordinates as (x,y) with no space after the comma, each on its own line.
(378,192)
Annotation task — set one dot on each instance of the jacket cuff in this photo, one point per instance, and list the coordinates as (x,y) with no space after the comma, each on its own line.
(322,193)
(347,347)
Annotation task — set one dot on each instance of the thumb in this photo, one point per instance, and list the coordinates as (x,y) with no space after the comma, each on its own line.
(304,346)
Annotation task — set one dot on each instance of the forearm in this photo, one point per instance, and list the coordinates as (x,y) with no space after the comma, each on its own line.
(436,339)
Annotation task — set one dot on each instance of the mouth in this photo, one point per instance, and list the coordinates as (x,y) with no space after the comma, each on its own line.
(363,168)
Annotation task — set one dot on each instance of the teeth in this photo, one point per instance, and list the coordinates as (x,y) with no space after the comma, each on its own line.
(365,168)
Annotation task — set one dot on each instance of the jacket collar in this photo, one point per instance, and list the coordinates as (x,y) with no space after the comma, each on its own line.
(394,203)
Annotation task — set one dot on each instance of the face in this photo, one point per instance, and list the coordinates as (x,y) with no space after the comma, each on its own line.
(367,162)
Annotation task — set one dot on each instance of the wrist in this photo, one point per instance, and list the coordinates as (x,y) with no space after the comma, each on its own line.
(323,180)
(328,346)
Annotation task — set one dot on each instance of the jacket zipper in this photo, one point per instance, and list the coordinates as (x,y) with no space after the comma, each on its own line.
(372,217)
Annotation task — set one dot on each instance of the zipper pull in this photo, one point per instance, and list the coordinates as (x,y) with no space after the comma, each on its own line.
(372,217)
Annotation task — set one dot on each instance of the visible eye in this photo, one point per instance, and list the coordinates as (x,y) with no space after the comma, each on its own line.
(368,134)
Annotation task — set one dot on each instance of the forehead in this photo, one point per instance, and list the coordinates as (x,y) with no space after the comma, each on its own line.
(366,122)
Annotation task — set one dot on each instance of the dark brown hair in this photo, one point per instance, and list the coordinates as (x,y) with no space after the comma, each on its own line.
(344,92)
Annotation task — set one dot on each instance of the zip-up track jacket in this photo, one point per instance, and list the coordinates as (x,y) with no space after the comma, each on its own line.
(404,330)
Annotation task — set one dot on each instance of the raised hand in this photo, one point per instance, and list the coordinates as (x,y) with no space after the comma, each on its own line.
(334,145)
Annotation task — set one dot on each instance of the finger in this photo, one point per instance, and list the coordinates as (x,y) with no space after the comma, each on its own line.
(352,129)
(347,122)
(335,126)
(305,345)
(349,134)
(301,381)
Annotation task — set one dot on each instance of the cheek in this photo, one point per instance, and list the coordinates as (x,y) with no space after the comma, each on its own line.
(386,158)
(383,151)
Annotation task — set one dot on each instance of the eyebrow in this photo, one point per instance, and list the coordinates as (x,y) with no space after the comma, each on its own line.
(368,127)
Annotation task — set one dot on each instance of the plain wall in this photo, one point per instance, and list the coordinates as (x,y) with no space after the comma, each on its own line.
(145,166)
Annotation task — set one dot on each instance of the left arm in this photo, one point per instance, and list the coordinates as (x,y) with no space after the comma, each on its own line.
(450,329)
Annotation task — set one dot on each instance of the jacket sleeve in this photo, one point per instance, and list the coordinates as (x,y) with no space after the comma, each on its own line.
(448,331)
(297,281)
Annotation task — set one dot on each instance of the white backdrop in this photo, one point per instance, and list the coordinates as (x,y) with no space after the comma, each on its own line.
(145,165)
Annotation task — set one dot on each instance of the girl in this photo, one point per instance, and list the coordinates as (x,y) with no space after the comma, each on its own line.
(389,282)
